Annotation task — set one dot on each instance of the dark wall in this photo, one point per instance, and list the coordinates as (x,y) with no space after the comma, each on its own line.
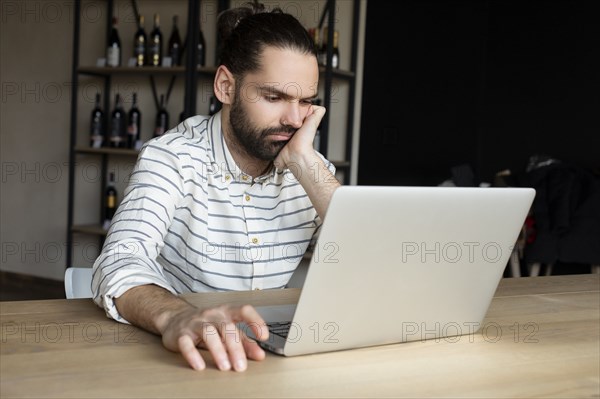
(483,83)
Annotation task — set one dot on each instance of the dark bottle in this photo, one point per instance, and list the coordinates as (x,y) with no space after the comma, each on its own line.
(322,54)
(162,118)
(175,46)
(155,44)
(97,125)
(118,125)
(314,34)
(335,58)
(134,119)
(201,49)
(113,51)
(110,199)
(139,44)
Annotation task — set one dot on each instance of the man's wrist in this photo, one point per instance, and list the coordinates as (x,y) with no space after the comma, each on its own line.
(150,307)
(165,317)
(303,163)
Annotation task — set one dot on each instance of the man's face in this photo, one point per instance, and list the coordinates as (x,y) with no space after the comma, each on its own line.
(271,104)
(256,140)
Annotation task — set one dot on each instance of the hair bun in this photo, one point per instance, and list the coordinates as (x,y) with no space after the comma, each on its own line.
(228,20)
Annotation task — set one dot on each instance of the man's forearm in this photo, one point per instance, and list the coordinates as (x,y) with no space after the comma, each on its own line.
(317,180)
(150,307)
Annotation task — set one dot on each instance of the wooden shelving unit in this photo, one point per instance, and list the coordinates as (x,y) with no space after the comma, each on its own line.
(191,74)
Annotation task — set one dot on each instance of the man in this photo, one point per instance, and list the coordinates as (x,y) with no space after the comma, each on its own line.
(229,202)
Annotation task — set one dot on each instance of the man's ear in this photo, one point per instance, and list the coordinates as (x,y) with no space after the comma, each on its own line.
(224,85)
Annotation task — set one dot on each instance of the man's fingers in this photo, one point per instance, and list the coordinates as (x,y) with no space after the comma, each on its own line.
(316,115)
(253,350)
(190,353)
(217,331)
(212,340)
(252,318)
(233,343)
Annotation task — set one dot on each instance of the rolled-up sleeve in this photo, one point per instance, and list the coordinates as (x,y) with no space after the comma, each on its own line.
(136,235)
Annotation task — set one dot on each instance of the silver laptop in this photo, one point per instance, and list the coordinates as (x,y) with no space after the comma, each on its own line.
(398,264)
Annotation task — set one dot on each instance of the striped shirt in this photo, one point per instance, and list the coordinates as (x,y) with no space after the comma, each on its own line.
(192,221)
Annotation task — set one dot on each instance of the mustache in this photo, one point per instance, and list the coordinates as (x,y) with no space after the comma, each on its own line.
(280,129)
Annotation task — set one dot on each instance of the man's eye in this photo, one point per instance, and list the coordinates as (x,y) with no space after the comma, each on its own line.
(272,98)
(308,102)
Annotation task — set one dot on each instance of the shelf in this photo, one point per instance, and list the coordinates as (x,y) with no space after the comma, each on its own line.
(124,151)
(107,150)
(94,229)
(146,70)
(128,152)
(179,70)
(341,164)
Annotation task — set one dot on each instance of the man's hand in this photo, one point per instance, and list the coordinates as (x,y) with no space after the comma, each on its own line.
(184,327)
(215,329)
(300,147)
(306,165)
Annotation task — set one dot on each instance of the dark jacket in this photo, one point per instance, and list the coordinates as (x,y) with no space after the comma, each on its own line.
(566,211)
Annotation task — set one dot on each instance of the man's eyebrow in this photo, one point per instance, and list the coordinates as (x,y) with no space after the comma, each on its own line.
(282,94)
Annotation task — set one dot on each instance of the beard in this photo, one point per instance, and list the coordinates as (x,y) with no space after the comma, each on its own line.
(253,139)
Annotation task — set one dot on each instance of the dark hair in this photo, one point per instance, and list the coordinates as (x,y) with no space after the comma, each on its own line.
(245,31)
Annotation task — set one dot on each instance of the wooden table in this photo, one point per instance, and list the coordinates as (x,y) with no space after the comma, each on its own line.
(540,339)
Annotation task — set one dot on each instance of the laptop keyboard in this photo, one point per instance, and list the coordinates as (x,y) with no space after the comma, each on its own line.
(280,328)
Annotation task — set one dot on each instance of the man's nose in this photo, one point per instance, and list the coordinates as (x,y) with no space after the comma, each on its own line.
(293,115)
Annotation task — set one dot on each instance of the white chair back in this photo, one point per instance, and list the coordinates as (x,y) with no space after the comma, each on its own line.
(78,282)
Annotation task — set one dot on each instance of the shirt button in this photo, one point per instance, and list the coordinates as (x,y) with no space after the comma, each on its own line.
(245,178)
(255,240)
(247,198)
(257,289)
(227,177)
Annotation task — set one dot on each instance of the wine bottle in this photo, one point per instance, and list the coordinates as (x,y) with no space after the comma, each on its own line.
(113,51)
(110,200)
(118,124)
(175,46)
(314,34)
(139,44)
(335,59)
(155,44)
(201,49)
(322,54)
(97,124)
(162,118)
(134,119)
